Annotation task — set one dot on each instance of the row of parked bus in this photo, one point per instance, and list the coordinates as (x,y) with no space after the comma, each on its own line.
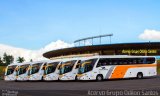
(97,67)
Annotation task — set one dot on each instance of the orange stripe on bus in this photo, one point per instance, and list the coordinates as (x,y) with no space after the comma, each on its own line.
(120,70)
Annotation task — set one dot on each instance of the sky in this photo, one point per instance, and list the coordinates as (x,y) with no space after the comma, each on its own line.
(32,24)
(35,55)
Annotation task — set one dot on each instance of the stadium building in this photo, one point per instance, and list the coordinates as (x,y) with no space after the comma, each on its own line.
(141,48)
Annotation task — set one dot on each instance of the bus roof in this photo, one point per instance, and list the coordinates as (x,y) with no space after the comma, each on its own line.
(117,56)
(14,64)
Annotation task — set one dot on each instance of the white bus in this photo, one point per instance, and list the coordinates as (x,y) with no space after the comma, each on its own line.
(69,69)
(52,70)
(36,70)
(23,69)
(114,67)
(11,72)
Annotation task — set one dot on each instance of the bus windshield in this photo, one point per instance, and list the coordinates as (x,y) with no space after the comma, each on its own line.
(22,69)
(51,67)
(86,66)
(67,66)
(35,68)
(10,69)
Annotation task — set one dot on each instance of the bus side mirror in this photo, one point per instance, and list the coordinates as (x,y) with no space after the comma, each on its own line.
(43,68)
(98,65)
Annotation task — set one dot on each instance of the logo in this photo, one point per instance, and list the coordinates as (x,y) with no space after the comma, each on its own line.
(103,68)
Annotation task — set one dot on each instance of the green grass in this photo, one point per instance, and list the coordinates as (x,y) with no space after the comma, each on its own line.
(158,70)
(158,67)
(2,70)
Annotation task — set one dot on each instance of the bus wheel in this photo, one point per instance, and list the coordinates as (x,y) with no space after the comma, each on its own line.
(140,75)
(42,78)
(76,78)
(99,78)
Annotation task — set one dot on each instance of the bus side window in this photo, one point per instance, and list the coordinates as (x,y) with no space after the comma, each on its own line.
(59,66)
(150,60)
(109,61)
(140,60)
(105,62)
(130,61)
(99,63)
(143,60)
(125,61)
(77,66)
(44,66)
(114,61)
(134,61)
(120,61)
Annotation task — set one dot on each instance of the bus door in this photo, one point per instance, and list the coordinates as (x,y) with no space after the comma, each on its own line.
(104,67)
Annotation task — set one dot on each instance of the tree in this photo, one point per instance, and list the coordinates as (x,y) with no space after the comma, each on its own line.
(31,60)
(20,59)
(7,59)
(1,61)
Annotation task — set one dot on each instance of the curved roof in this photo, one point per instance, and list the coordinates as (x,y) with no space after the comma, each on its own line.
(93,37)
(93,48)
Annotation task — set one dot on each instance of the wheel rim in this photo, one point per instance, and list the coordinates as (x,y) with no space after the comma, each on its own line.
(99,78)
(139,76)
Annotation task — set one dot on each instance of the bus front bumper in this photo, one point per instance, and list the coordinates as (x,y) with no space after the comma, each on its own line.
(65,77)
(84,77)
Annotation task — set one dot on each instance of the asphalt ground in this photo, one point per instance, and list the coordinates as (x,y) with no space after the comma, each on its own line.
(77,88)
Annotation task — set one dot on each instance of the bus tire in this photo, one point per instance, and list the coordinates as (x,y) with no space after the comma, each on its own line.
(99,77)
(76,78)
(42,78)
(139,75)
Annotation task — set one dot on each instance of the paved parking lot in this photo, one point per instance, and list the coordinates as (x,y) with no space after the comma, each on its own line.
(72,86)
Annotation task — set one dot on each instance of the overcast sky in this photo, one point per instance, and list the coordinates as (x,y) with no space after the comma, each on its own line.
(32,24)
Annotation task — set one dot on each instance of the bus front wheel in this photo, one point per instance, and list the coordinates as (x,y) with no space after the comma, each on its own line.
(140,75)
(76,78)
(99,78)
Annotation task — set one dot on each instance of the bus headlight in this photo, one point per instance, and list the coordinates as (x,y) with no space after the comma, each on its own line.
(28,76)
(60,76)
(80,75)
(44,76)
